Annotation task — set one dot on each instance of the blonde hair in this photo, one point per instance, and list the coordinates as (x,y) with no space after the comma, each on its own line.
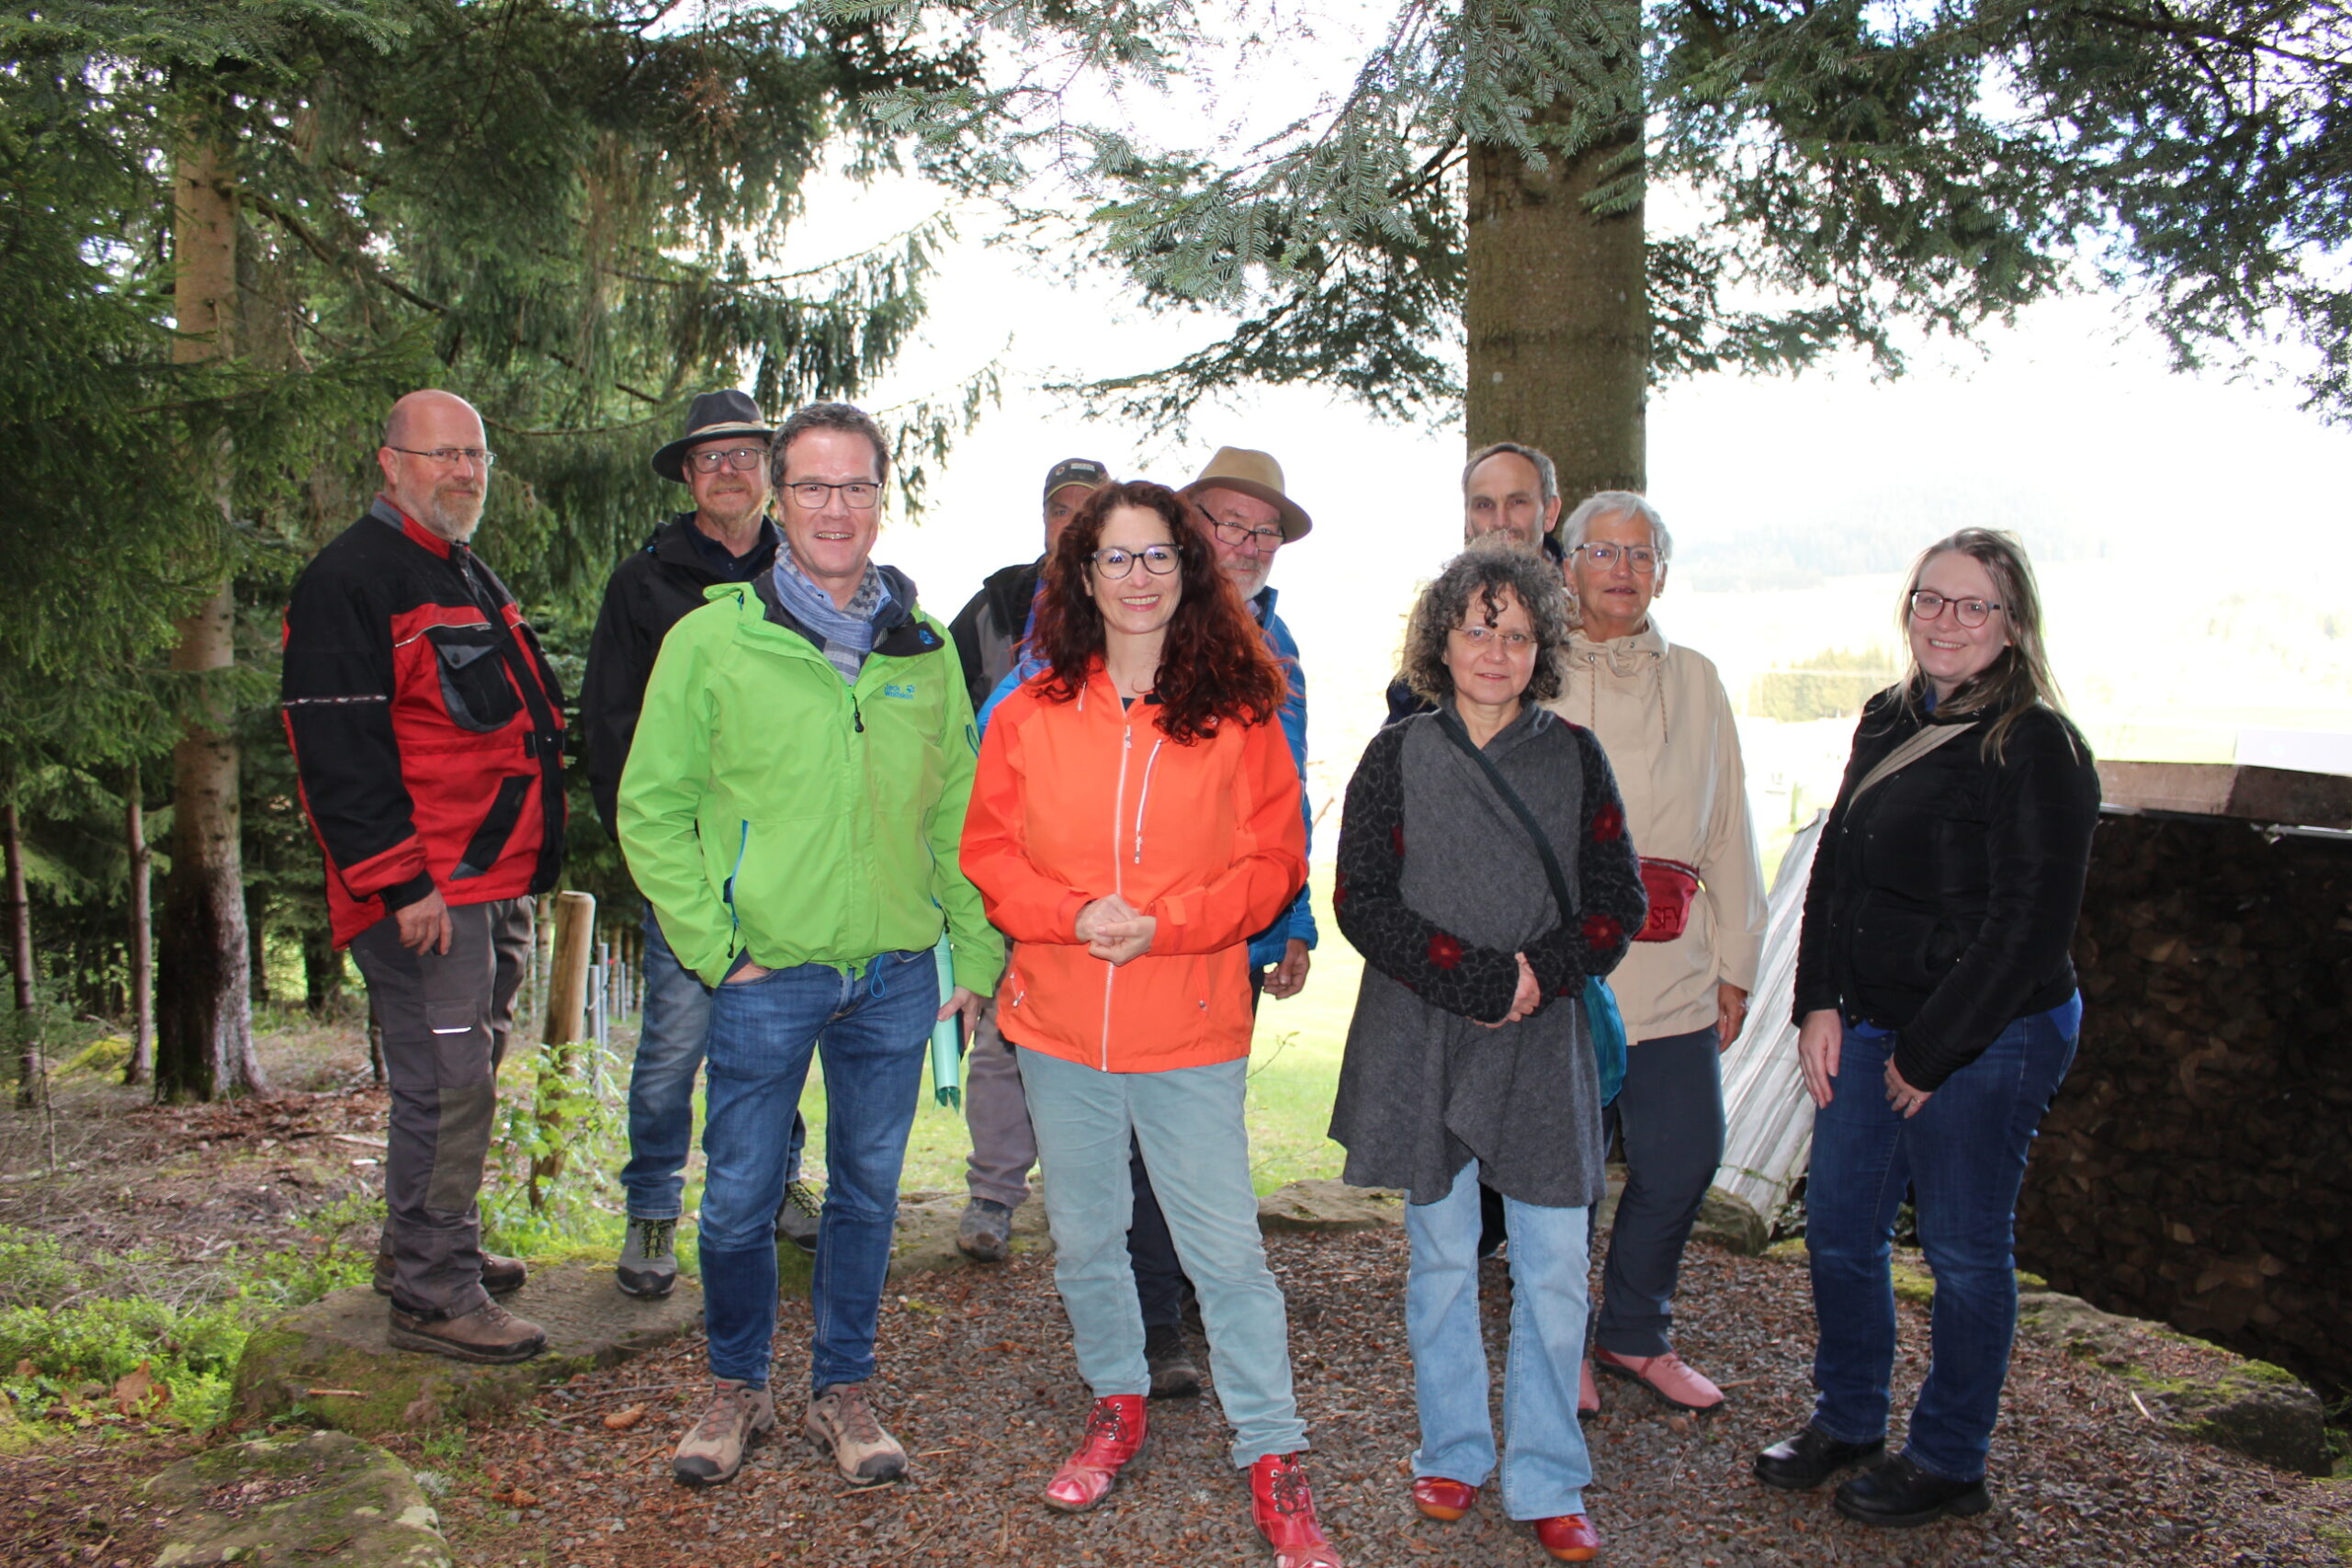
(2019,679)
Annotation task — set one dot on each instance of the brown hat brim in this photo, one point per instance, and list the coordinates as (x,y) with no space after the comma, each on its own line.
(670,461)
(1294,521)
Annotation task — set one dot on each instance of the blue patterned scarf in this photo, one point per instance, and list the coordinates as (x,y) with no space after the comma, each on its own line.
(846,636)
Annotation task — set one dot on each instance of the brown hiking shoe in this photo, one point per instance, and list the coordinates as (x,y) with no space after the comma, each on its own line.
(739,1418)
(500,1276)
(842,1424)
(489,1333)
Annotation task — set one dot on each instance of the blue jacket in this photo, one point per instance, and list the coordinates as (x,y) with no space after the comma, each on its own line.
(1298,920)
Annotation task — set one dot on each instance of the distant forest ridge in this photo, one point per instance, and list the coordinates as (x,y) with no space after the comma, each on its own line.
(1767,555)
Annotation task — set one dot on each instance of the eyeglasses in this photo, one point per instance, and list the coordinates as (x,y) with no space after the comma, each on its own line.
(453,454)
(1481,638)
(744,458)
(856,494)
(1641,558)
(1970,613)
(1158,559)
(1266,540)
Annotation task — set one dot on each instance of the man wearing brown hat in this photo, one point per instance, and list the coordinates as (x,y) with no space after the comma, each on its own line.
(989,632)
(722,459)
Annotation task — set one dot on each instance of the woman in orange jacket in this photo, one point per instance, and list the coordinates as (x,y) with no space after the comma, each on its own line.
(1135,817)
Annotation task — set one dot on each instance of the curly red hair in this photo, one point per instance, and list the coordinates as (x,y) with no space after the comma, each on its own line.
(1214,666)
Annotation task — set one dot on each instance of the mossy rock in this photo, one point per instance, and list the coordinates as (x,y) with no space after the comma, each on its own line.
(1332,1208)
(329,1363)
(1732,1223)
(926,1236)
(316,1498)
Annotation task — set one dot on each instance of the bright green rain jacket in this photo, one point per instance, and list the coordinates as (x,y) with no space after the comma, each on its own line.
(769,808)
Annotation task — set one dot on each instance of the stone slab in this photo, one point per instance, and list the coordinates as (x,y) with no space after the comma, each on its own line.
(1330,1207)
(310,1498)
(328,1361)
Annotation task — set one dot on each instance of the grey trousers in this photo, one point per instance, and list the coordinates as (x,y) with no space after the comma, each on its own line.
(997,1111)
(445,1017)
(1670,1114)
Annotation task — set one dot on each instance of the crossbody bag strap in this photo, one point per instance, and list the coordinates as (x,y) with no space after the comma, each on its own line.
(1461,737)
(1910,752)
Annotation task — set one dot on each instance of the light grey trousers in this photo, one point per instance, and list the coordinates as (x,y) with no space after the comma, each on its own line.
(996,1108)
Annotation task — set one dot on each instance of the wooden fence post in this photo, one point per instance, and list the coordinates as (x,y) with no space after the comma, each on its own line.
(567,999)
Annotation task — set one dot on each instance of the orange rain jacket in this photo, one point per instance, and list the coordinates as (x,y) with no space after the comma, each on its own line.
(1076,801)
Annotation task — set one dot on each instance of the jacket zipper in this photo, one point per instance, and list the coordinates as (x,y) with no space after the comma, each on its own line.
(1150,764)
(1118,883)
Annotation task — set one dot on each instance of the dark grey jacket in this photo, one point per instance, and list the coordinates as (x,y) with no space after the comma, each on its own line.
(1438,886)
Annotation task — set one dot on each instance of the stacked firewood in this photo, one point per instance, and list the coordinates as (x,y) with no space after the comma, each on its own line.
(2197,1167)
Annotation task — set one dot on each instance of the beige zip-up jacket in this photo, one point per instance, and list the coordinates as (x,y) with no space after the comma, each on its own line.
(1663,716)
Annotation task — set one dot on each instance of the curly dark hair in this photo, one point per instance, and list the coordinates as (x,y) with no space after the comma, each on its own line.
(1214,665)
(1483,571)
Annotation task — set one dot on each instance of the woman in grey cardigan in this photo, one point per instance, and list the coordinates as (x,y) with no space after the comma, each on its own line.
(1469,1059)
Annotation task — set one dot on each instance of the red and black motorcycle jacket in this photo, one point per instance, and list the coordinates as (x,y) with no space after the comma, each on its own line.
(426,726)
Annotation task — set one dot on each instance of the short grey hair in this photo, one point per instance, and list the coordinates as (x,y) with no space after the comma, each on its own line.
(829,416)
(1480,574)
(1547,477)
(1616,503)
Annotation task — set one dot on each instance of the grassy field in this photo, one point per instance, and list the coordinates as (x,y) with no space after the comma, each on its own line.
(1293,1068)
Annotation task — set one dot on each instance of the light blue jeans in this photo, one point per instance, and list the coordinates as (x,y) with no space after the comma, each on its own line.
(1188,1120)
(671,1034)
(1545,1467)
(873,1029)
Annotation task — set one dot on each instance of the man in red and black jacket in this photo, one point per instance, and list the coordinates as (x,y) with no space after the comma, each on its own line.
(427,728)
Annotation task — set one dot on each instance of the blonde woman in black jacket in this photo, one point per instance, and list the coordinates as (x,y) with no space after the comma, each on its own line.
(1937,1014)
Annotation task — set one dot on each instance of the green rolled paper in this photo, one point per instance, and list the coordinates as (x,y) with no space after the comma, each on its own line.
(947,1037)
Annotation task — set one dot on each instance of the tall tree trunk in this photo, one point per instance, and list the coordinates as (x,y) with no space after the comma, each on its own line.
(30,1077)
(204,1017)
(257,941)
(142,938)
(1556,312)
(323,987)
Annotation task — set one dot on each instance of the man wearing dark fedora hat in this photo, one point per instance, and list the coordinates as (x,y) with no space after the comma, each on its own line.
(722,459)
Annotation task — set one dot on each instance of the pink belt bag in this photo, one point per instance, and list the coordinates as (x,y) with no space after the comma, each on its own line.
(1670,886)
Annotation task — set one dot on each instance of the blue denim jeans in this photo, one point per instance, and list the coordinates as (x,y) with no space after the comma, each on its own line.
(1545,1467)
(873,1032)
(669,1036)
(1189,1122)
(1962,1156)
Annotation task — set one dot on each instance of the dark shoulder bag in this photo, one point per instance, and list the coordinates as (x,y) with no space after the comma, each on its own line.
(1602,1019)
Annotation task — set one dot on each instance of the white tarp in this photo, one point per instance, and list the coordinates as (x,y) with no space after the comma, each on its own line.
(1767,1115)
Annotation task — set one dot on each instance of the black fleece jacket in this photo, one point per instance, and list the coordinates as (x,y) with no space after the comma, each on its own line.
(1943,901)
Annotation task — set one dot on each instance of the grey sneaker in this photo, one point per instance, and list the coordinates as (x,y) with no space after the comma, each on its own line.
(1174,1374)
(489,1333)
(500,1276)
(985,1234)
(842,1424)
(739,1418)
(796,1217)
(649,1265)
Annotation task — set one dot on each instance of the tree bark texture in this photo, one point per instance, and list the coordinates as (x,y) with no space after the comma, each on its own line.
(142,1064)
(30,1077)
(1556,314)
(204,1016)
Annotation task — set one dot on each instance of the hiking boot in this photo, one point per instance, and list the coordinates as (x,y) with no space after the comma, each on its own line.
(796,1217)
(500,1276)
(489,1333)
(840,1424)
(1173,1374)
(1284,1510)
(740,1417)
(1115,1434)
(985,1234)
(649,1265)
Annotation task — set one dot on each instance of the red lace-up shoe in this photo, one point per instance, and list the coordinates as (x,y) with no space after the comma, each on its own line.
(1115,1434)
(1568,1538)
(1284,1511)
(1439,1498)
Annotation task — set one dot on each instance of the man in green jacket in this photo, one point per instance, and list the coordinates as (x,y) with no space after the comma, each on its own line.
(791,807)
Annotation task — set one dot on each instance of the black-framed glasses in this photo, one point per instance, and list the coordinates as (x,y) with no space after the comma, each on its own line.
(1158,559)
(743,459)
(856,494)
(1265,540)
(1929,605)
(1641,558)
(452,456)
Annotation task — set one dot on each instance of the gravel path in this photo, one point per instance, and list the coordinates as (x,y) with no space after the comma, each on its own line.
(978,1384)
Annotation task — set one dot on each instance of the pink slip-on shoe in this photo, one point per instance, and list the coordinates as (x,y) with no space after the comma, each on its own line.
(1667,1376)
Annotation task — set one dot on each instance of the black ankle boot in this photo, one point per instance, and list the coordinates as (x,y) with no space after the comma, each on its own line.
(1898,1494)
(1810,1457)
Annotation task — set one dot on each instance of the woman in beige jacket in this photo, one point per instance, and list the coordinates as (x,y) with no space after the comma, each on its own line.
(1663,718)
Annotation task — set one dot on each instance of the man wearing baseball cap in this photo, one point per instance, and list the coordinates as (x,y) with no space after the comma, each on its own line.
(989,633)
(722,459)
